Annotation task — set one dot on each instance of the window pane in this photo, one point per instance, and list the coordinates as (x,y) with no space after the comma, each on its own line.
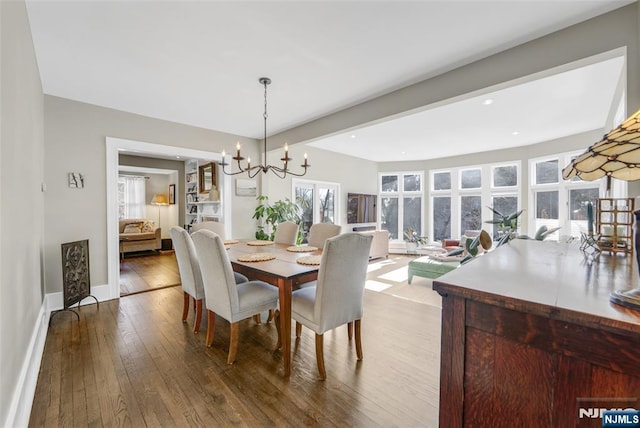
(471,179)
(442,181)
(547,172)
(505,176)
(412,183)
(470,213)
(547,205)
(326,205)
(578,199)
(389,216)
(506,205)
(389,183)
(411,214)
(304,197)
(441,218)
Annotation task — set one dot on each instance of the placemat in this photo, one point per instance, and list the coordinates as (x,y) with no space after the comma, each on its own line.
(309,260)
(230,241)
(256,257)
(259,243)
(301,249)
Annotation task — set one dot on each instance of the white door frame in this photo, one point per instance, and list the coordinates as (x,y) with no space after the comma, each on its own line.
(113,146)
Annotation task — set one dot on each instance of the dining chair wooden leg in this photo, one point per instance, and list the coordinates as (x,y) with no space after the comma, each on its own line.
(233,345)
(257,318)
(298,329)
(196,324)
(359,339)
(270,317)
(185,307)
(211,325)
(320,356)
(350,330)
(277,321)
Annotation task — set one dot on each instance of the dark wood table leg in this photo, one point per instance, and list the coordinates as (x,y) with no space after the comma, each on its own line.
(284,289)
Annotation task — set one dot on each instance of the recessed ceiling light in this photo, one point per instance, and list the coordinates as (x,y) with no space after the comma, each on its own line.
(353,135)
(487,102)
(515,133)
(403,153)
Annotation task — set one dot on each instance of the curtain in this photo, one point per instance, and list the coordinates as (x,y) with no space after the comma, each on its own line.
(132,197)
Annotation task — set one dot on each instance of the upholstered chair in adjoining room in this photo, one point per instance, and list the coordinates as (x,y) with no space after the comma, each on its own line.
(214,226)
(223,297)
(286,233)
(336,298)
(320,232)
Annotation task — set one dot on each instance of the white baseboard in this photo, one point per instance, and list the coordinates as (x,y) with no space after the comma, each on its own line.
(22,400)
(20,409)
(55,301)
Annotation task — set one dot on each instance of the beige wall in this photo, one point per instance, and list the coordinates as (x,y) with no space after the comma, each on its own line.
(75,141)
(21,198)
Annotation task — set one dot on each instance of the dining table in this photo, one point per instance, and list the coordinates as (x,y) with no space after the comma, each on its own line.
(283,271)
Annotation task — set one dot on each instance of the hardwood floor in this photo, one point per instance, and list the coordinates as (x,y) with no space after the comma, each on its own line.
(134,363)
(148,271)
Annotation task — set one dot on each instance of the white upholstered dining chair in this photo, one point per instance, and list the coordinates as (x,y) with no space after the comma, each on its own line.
(223,297)
(320,232)
(214,226)
(190,276)
(336,298)
(286,233)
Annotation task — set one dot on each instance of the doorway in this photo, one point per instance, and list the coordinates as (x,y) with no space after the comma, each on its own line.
(114,146)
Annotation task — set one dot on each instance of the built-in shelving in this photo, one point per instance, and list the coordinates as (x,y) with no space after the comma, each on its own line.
(198,207)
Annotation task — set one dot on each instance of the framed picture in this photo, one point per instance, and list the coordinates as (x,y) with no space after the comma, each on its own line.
(172,194)
(246,187)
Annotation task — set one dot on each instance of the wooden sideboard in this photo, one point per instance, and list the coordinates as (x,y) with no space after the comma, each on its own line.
(529,337)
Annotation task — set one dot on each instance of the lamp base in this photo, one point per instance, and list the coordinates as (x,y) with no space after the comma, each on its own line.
(628,298)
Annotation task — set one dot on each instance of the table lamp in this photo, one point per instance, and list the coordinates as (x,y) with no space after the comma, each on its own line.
(617,155)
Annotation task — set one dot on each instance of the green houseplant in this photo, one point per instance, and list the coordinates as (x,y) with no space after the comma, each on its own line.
(272,214)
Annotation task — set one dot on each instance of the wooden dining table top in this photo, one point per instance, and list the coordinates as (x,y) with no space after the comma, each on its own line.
(284,265)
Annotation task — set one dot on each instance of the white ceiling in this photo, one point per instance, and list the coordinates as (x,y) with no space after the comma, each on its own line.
(198,63)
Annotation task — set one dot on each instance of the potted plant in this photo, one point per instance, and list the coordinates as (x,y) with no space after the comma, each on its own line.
(272,214)
(413,240)
(507,225)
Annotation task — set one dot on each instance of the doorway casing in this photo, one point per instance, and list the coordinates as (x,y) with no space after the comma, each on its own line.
(113,147)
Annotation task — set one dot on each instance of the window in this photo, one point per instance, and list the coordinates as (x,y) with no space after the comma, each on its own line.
(557,202)
(131,191)
(318,201)
(401,203)
(460,197)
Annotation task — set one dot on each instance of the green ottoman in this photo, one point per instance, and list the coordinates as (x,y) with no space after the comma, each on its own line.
(429,268)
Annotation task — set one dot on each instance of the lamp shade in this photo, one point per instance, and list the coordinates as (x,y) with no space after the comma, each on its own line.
(160,199)
(617,155)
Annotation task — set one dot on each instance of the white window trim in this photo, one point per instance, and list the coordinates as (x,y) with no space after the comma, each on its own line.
(487,191)
(401,194)
(315,184)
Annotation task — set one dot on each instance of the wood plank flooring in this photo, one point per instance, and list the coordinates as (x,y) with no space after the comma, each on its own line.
(148,271)
(134,363)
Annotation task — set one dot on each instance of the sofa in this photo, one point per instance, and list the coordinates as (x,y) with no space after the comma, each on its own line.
(138,234)
(379,244)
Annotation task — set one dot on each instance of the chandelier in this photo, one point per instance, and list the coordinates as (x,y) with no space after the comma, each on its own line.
(252,171)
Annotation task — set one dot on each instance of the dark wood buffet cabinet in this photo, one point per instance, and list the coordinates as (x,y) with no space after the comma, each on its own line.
(530,339)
